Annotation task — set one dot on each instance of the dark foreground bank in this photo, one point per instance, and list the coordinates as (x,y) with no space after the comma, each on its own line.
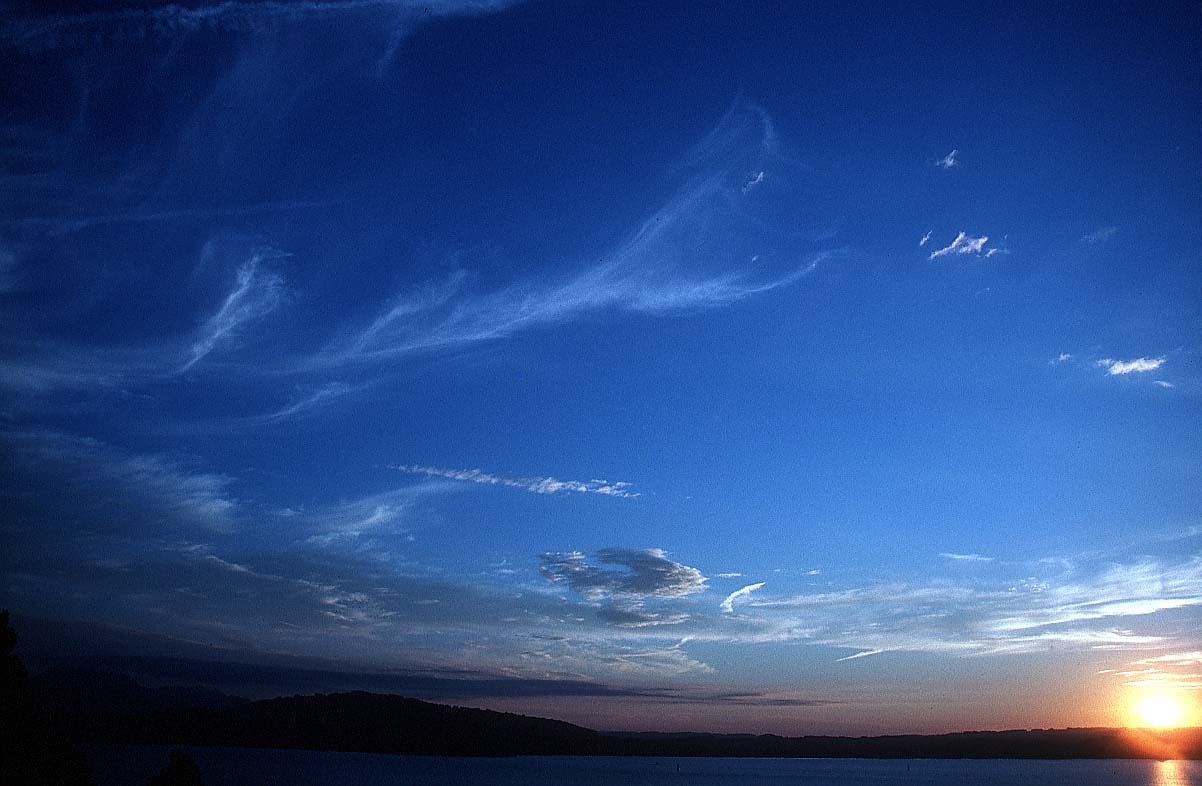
(131,766)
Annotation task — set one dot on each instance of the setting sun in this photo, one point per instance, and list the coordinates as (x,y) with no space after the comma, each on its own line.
(1159,710)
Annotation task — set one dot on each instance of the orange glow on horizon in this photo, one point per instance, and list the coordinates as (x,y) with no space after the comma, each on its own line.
(1160,709)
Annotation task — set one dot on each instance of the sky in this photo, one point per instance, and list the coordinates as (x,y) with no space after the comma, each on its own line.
(727,367)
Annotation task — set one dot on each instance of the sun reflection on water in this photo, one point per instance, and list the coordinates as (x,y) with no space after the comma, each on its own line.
(1169,773)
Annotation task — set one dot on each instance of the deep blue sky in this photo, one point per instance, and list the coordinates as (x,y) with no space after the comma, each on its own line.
(755,367)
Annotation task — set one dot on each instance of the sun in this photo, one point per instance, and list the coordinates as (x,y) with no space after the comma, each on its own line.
(1159,710)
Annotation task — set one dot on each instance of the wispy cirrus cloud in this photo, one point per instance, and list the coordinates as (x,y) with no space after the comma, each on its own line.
(256,293)
(1134,366)
(963,244)
(56,226)
(926,238)
(133,490)
(309,401)
(1173,671)
(1076,610)
(372,525)
(537,485)
(688,256)
(62,370)
(728,605)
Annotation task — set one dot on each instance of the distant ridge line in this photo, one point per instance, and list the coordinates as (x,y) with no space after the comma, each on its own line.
(365,722)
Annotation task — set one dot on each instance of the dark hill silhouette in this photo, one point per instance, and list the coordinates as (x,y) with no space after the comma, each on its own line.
(381,723)
(372,722)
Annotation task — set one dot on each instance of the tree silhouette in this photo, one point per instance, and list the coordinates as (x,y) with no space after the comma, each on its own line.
(32,753)
(180,771)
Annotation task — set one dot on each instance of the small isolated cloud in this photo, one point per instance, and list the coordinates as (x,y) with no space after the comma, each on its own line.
(1163,384)
(753,181)
(965,557)
(728,575)
(948,161)
(538,485)
(1136,366)
(1099,235)
(728,605)
(995,251)
(255,294)
(640,573)
(1063,357)
(963,244)
(858,655)
(926,238)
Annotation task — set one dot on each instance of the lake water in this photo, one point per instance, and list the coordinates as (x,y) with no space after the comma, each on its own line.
(134,766)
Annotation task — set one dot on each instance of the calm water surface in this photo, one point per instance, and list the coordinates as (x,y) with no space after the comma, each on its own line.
(134,765)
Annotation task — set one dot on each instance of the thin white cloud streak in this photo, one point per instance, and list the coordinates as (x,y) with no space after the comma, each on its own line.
(66,225)
(1063,357)
(314,400)
(926,238)
(948,161)
(1163,384)
(48,375)
(728,605)
(681,259)
(858,655)
(1136,366)
(965,557)
(963,244)
(1192,658)
(256,293)
(64,29)
(1175,670)
(537,485)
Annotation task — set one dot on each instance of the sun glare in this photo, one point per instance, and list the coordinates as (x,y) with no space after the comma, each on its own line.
(1159,710)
